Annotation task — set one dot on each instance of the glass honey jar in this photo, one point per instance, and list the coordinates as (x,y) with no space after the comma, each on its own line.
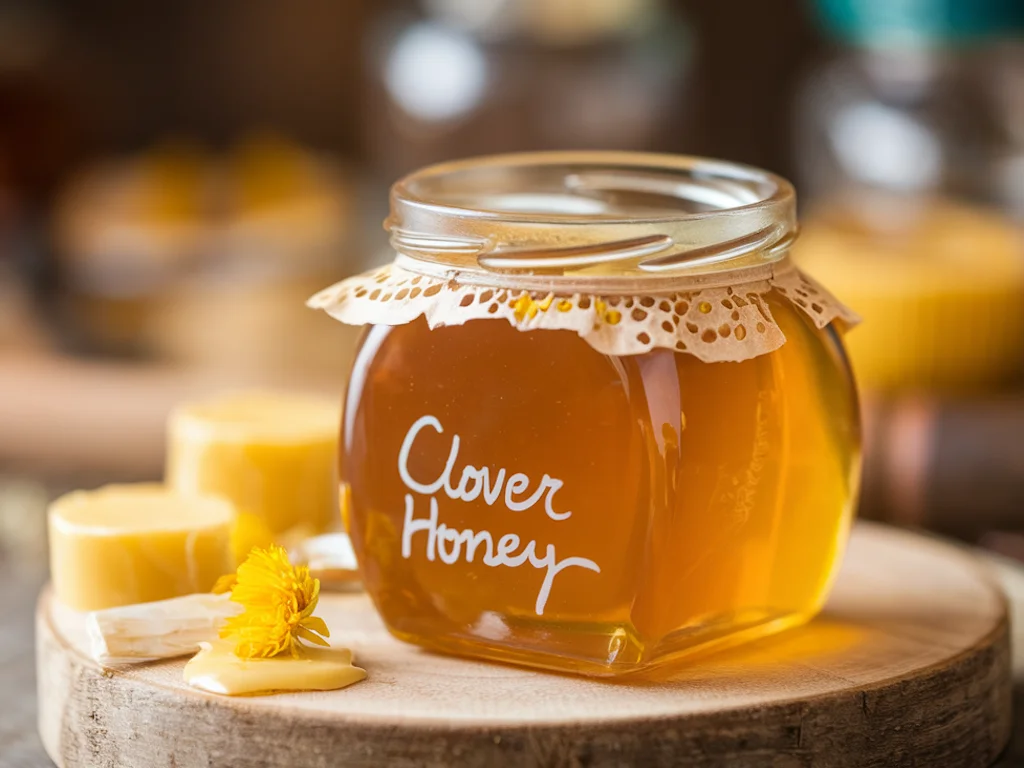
(597,421)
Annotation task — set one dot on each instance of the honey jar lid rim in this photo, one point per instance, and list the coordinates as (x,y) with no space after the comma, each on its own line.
(617,214)
(776,189)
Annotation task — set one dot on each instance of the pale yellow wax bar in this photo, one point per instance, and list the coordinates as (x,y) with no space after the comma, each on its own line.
(941,299)
(274,455)
(218,670)
(126,544)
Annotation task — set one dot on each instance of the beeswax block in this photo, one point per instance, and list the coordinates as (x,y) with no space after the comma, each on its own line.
(127,544)
(273,455)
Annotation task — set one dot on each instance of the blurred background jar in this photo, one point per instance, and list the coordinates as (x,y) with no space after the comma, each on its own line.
(124,228)
(282,226)
(204,259)
(910,147)
(456,78)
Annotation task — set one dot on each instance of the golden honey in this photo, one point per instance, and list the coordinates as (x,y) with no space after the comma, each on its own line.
(519,493)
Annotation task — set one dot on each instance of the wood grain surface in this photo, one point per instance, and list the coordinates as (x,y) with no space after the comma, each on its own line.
(909,665)
(19,740)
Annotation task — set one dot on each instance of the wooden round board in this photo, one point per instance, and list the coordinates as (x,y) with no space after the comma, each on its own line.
(908,665)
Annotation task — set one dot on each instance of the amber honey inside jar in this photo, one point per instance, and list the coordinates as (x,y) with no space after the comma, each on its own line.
(597,421)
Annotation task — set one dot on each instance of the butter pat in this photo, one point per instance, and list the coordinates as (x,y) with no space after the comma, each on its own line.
(274,455)
(163,629)
(218,670)
(127,544)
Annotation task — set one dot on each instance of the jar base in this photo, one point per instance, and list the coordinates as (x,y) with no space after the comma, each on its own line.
(606,650)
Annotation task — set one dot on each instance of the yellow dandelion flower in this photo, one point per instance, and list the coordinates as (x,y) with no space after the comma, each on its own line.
(279,599)
(225,583)
(522,306)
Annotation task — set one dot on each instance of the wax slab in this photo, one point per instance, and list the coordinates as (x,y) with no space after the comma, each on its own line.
(908,665)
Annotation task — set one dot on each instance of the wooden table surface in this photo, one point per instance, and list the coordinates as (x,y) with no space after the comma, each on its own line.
(19,743)
(23,577)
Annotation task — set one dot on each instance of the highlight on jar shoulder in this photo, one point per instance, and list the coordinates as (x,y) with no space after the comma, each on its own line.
(597,422)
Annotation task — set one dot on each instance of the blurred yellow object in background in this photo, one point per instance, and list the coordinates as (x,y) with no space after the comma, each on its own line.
(283,232)
(124,230)
(268,171)
(273,454)
(172,184)
(250,531)
(206,259)
(126,544)
(942,298)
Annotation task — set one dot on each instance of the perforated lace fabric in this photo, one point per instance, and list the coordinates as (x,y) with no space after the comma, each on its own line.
(719,324)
